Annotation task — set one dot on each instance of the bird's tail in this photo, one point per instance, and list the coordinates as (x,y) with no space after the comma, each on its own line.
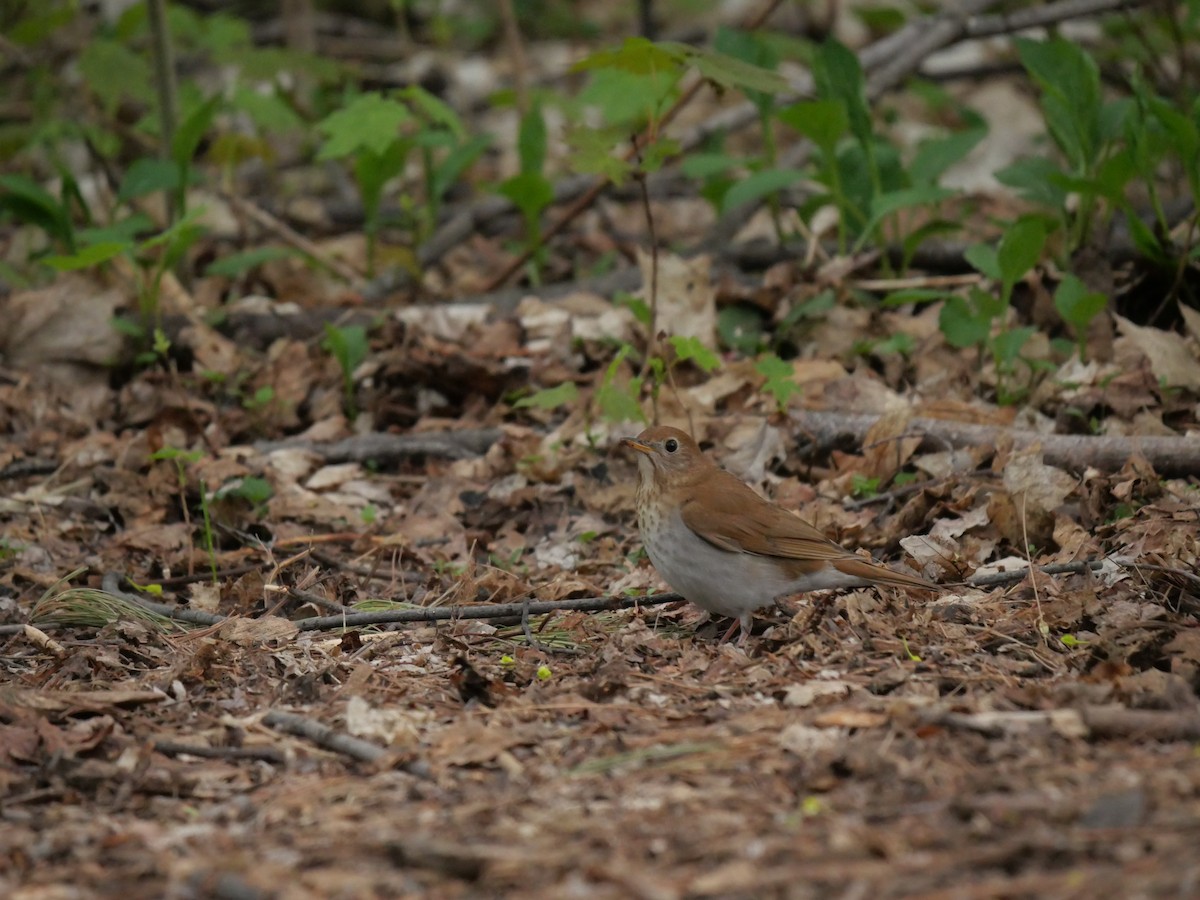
(873,572)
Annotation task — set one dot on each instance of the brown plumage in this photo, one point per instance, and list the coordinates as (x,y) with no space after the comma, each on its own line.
(725,548)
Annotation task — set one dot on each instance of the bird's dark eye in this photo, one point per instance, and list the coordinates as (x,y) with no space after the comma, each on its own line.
(671,445)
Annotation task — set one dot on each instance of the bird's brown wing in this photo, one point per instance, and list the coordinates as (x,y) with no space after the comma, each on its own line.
(731,516)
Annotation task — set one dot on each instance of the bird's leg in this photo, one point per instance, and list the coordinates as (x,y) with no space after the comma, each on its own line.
(737,623)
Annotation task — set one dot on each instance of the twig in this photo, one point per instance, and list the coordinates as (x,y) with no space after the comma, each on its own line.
(1042,15)
(111,584)
(491,611)
(324,736)
(1072,568)
(390,448)
(293,238)
(174,748)
(1171,456)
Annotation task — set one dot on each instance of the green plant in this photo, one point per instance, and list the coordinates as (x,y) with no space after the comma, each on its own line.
(181,459)
(529,190)
(348,345)
(861,172)
(1078,306)
(779,383)
(972,320)
(379,132)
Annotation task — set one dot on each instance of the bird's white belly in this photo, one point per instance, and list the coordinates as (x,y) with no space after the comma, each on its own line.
(724,582)
(719,581)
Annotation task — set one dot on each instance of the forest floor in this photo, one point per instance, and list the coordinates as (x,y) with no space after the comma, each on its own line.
(1037,736)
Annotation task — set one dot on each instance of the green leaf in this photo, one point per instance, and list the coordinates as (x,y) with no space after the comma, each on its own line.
(825,122)
(530,192)
(114,74)
(457,161)
(691,348)
(1006,346)
(531,141)
(29,202)
(369,122)
(961,325)
(1032,179)
(236,263)
(190,131)
(626,100)
(839,76)
(759,185)
(731,72)
(936,155)
(740,328)
(706,165)
(637,55)
(148,175)
(250,488)
(89,256)
(636,305)
(779,383)
(434,111)
(347,344)
(270,112)
(550,398)
(1020,249)
(1070,82)
(1076,304)
(984,259)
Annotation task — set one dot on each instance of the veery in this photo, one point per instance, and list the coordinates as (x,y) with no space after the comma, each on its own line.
(725,548)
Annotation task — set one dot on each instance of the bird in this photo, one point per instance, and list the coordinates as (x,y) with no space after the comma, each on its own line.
(726,549)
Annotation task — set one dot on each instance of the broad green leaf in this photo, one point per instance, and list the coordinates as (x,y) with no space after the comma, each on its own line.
(627,99)
(1006,346)
(754,50)
(29,202)
(730,72)
(740,328)
(270,112)
(825,122)
(779,375)
(936,155)
(1032,178)
(759,185)
(530,192)
(1076,304)
(148,175)
(1020,248)
(347,344)
(885,205)
(705,165)
(433,110)
(457,161)
(369,122)
(637,55)
(983,258)
(89,256)
(236,263)
(550,398)
(531,141)
(190,131)
(961,325)
(1070,82)
(114,73)
(691,348)
(839,76)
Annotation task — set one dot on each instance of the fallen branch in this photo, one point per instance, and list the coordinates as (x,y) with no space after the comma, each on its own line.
(1170,456)
(491,611)
(175,748)
(339,742)
(384,448)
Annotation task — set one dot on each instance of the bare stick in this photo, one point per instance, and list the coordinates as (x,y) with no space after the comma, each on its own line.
(1170,456)
(324,736)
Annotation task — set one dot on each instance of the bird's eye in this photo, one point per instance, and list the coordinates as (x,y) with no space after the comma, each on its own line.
(671,445)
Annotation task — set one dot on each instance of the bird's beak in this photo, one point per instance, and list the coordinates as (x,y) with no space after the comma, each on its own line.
(635,444)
